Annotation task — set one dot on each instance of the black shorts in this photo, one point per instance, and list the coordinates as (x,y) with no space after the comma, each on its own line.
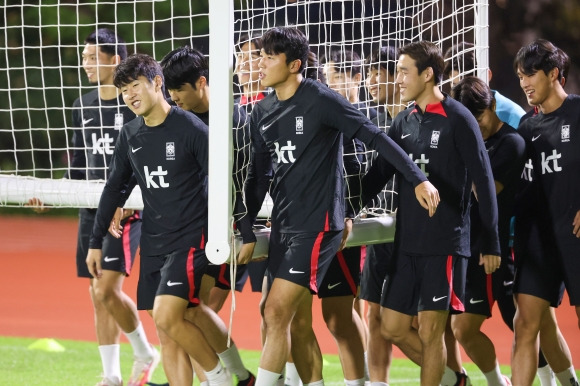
(379,262)
(302,258)
(118,254)
(569,248)
(343,275)
(537,263)
(222,275)
(257,271)
(482,290)
(177,273)
(426,283)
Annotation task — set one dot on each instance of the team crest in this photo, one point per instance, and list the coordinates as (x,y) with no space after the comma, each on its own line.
(170,150)
(299,125)
(119,120)
(434,139)
(565,133)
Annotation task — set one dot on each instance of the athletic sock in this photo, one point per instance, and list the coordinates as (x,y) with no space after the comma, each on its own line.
(138,340)
(494,377)
(281,379)
(379,384)
(204,383)
(367,375)
(292,377)
(218,376)
(354,382)
(233,362)
(315,383)
(110,358)
(567,377)
(266,378)
(546,376)
(449,377)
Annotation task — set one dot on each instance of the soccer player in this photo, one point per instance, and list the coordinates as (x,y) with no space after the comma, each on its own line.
(506,150)
(166,149)
(442,136)
(343,71)
(554,223)
(186,73)
(381,86)
(297,134)
(247,58)
(97,118)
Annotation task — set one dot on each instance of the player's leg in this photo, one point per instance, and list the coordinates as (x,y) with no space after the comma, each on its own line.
(176,362)
(398,328)
(379,349)
(431,333)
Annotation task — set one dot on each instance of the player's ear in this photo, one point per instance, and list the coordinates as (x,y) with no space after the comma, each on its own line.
(295,65)
(158,82)
(201,82)
(428,74)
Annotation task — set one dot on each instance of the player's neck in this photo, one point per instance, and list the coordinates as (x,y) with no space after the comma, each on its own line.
(287,89)
(430,96)
(158,113)
(395,109)
(108,92)
(553,101)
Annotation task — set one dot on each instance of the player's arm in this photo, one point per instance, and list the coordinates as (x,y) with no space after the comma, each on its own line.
(77,170)
(120,172)
(508,162)
(474,155)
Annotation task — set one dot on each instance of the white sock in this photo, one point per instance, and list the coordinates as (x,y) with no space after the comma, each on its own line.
(379,384)
(218,376)
(494,377)
(354,382)
(110,358)
(292,377)
(367,375)
(567,377)
(449,377)
(266,378)
(138,340)
(546,376)
(204,383)
(315,383)
(233,362)
(281,379)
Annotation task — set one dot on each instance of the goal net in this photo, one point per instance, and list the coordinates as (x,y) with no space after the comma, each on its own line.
(41,73)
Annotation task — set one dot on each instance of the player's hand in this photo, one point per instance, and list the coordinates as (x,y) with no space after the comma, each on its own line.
(115,228)
(347,230)
(246,253)
(490,262)
(37,206)
(94,262)
(576,224)
(428,196)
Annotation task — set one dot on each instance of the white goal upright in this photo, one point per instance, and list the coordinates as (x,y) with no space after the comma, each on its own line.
(41,76)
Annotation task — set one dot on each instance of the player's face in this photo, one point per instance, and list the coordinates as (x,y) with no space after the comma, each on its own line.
(98,65)
(141,95)
(537,87)
(409,80)
(247,64)
(487,123)
(273,69)
(381,86)
(187,97)
(341,82)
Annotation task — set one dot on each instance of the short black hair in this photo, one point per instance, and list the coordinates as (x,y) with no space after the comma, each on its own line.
(134,66)
(474,94)
(289,41)
(460,57)
(108,42)
(313,69)
(541,55)
(345,61)
(425,54)
(252,38)
(184,65)
(383,57)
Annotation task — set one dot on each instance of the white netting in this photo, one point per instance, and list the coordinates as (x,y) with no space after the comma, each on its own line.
(41,74)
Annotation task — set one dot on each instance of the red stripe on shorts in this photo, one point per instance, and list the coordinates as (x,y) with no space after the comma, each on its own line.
(315,255)
(127,247)
(489,290)
(454,301)
(191,275)
(222,275)
(346,272)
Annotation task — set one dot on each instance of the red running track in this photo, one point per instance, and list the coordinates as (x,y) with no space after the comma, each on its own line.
(41,297)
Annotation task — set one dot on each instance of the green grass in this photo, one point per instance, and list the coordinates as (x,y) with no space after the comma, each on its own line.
(80,365)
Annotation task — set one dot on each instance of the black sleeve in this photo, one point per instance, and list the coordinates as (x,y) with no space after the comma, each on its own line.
(508,161)
(354,161)
(375,180)
(78,163)
(120,173)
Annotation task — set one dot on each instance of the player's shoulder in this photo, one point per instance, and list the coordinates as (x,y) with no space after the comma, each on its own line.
(88,99)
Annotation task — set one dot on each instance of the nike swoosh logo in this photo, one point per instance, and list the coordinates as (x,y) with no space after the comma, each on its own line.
(403,136)
(507,283)
(265,127)
(172,283)
(473,301)
(136,150)
(108,259)
(536,137)
(85,121)
(331,286)
(293,271)
(436,299)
